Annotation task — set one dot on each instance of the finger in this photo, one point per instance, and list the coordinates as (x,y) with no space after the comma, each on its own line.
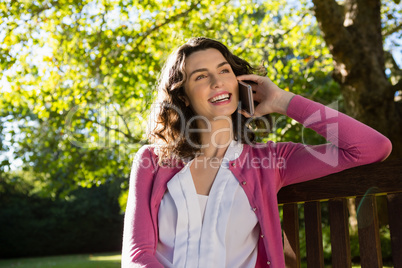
(258,111)
(259,96)
(252,77)
(256,97)
(246,114)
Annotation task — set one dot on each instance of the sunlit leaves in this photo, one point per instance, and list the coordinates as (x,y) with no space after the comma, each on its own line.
(83,73)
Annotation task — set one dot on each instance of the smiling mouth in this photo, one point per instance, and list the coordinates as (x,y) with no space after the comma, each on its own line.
(220,98)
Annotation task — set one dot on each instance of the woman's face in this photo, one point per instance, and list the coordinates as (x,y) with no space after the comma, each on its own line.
(211,86)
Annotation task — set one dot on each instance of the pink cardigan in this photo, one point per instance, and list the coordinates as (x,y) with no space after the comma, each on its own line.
(262,169)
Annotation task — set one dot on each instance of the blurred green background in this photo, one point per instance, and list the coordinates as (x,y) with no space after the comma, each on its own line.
(78,78)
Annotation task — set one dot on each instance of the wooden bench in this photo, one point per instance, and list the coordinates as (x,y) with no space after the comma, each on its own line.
(363,183)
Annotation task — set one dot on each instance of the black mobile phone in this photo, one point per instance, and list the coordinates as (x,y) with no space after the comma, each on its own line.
(246,97)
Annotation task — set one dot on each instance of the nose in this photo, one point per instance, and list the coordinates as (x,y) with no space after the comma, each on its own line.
(216,81)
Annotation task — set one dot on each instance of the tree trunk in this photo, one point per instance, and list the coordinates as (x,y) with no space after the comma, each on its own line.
(353,34)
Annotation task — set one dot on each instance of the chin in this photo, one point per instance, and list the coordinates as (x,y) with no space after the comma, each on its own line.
(229,113)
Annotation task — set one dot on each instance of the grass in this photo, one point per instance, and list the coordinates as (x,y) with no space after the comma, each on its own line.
(105,260)
(304,265)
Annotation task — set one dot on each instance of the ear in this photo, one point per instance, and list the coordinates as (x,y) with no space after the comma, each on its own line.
(186,100)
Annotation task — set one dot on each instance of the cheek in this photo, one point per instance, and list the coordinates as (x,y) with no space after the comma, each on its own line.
(234,84)
(199,90)
(231,79)
(195,95)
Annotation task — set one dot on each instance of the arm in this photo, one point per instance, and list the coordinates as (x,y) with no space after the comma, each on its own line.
(351,142)
(138,235)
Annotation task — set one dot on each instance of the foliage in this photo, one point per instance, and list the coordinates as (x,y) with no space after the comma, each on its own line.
(82,74)
(78,78)
(87,220)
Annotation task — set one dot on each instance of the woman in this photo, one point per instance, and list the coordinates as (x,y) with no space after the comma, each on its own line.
(204,194)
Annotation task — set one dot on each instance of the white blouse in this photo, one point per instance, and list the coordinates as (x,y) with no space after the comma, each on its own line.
(219,230)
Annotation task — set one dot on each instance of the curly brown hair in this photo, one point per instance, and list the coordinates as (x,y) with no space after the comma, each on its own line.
(170,115)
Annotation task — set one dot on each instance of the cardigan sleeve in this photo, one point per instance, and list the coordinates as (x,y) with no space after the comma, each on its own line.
(351,143)
(138,235)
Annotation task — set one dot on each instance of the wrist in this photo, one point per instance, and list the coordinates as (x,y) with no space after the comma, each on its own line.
(282,101)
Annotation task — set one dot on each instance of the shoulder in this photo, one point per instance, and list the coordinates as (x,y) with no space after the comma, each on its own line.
(147,150)
(146,154)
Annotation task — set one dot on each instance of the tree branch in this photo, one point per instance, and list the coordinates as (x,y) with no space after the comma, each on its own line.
(397,86)
(396,72)
(124,120)
(110,128)
(393,30)
(167,21)
(330,16)
(275,37)
(296,24)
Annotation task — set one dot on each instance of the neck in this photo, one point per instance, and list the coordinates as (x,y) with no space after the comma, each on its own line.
(217,137)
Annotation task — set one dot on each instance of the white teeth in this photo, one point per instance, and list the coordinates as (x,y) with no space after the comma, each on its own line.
(220,98)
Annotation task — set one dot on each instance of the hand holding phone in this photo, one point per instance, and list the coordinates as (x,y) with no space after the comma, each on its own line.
(246,97)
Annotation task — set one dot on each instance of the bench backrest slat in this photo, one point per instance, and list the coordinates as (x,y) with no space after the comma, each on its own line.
(368,229)
(314,248)
(339,224)
(363,184)
(291,242)
(395,226)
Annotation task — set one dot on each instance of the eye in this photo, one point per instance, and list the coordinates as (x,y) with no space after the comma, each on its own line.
(199,77)
(225,71)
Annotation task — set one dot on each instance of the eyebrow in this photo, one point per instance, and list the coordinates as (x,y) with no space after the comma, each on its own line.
(205,69)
